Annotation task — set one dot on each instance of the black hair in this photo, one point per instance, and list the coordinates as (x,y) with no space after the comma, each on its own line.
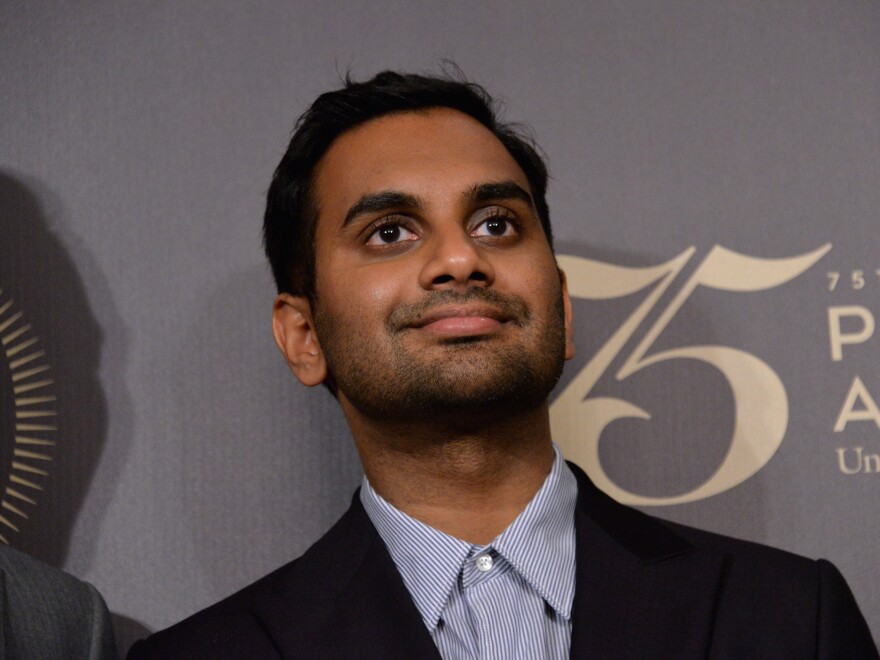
(291,213)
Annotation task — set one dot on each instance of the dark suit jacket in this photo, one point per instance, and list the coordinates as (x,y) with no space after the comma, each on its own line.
(46,614)
(645,589)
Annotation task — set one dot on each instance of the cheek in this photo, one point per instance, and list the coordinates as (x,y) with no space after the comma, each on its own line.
(535,278)
(381,292)
(363,292)
(545,298)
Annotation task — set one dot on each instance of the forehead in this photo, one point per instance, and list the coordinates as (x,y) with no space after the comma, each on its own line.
(429,154)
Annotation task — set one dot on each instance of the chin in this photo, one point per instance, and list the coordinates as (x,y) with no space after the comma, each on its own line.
(466,397)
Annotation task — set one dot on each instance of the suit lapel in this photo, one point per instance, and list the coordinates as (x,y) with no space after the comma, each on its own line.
(641,590)
(348,589)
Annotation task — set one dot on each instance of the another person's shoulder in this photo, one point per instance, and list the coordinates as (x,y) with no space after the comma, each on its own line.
(50,614)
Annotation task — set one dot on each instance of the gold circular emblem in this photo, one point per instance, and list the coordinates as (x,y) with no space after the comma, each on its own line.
(26,435)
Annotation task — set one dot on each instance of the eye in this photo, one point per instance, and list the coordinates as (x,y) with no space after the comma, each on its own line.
(389,234)
(496,226)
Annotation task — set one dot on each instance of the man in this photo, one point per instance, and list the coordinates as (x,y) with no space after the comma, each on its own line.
(46,614)
(410,239)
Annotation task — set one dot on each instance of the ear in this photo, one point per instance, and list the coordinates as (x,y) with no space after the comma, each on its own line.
(294,331)
(569,325)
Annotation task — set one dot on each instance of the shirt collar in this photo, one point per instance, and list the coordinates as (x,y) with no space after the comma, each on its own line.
(539,544)
(428,560)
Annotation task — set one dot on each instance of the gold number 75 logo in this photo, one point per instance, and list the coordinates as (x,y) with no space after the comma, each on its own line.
(759,398)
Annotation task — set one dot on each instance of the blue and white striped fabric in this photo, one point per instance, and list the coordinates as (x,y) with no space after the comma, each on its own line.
(509,599)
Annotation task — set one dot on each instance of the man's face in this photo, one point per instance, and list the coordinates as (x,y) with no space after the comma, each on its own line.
(437,291)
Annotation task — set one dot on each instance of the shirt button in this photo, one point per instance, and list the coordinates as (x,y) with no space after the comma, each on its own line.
(484,563)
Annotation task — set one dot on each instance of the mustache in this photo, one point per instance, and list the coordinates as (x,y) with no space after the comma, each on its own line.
(509,305)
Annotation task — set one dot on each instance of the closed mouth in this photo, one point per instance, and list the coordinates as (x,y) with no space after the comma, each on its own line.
(463,312)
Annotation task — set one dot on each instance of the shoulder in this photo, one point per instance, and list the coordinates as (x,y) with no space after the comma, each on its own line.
(758,569)
(768,589)
(231,628)
(653,539)
(749,552)
(239,625)
(756,594)
(50,614)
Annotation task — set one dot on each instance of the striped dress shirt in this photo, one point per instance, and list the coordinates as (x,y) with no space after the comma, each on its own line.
(511,598)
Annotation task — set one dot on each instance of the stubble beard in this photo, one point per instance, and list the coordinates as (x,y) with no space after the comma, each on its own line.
(458,381)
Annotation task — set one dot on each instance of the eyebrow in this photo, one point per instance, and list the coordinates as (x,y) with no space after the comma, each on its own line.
(387,200)
(381,201)
(486,192)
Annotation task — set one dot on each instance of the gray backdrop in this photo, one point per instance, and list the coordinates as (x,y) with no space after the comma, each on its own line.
(136,144)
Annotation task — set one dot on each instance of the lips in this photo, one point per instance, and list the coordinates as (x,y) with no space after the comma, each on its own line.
(461,313)
(462,321)
(478,311)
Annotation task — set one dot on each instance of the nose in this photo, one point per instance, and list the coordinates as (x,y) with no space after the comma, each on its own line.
(455,261)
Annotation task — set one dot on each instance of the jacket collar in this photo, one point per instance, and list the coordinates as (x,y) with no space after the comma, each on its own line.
(348,590)
(641,590)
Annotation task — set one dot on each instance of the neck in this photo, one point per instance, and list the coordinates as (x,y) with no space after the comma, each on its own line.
(469,481)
